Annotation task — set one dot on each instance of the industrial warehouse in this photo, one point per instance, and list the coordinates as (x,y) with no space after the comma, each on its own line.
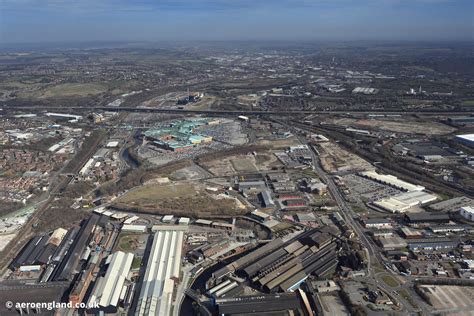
(107,289)
(281,266)
(162,272)
(101,277)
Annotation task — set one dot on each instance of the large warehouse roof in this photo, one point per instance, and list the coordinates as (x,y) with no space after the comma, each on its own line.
(468,137)
(402,202)
(392,181)
(426,217)
(163,266)
(106,292)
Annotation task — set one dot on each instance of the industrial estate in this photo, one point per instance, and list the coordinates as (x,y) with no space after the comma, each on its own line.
(237,181)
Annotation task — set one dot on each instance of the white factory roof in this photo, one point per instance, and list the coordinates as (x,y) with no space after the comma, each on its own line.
(107,213)
(86,166)
(112,144)
(363,90)
(468,209)
(167,218)
(469,137)
(184,221)
(162,268)
(54,147)
(402,202)
(118,215)
(77,117)
(134,228)
(106,291)
(99,210)
(392,181)
(415,197)
(131,219)
(30,268)
(25,115)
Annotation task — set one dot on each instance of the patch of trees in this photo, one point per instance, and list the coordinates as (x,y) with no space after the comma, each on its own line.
(131,178)
(78,189)
(260,231)
(59,214)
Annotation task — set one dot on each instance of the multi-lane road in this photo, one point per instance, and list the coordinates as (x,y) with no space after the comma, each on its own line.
(73,109)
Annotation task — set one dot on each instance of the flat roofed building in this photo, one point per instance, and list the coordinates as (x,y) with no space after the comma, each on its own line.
(430,244)
(132,219)
(467,212)
(391,181)
(393,242)
(184,221)
(402,202)
(112,144)
(64,115)
(425,217)
(378,223)
(57,236)
(464,120)
(452,205)
(411,233)
(167,218)
(107,290)
(203,222)
(449,228)
(134,228)
(251,185)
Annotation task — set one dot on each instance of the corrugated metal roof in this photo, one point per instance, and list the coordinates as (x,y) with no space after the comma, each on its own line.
(107,292)
(163,264)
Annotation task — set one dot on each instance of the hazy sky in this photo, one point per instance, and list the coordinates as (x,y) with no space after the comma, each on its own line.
(155,20)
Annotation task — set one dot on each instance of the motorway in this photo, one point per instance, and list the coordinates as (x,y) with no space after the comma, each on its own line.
(71,109)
